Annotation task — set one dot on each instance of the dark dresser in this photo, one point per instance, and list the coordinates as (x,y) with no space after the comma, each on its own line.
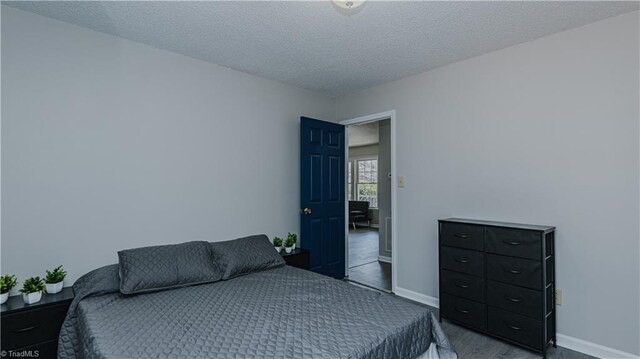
(499,279)
(297,258)
(31,330)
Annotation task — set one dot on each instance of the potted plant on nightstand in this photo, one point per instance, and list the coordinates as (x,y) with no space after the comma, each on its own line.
(32,290)
(294,238)
(277,243)
(7,282)
(289,243)
(54,279)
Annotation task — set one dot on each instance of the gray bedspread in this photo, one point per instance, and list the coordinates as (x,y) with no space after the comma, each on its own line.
(280,313)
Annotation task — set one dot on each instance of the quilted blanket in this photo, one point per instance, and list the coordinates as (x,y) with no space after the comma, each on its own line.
(279,313)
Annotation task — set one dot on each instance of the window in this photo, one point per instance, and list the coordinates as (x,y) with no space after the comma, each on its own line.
(365,188)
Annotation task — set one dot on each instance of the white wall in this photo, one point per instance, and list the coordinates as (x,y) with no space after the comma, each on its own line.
(109,144)
(544,132)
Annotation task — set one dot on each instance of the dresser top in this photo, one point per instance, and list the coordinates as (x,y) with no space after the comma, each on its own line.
(531,227)
(16,304)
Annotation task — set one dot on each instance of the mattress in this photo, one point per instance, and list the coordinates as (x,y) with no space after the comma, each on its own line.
(279,313)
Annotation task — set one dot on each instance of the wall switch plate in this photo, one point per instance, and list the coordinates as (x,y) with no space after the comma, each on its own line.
(558,296)
(401,182)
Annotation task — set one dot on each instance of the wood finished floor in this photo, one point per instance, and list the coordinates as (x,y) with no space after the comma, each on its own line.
(375,274)
(364,267)
(363,246)
(471,345)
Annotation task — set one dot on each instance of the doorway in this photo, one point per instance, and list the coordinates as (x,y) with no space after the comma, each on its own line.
(370,198)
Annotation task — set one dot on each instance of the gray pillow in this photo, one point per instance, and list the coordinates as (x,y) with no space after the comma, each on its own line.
(156,268)
(245,255)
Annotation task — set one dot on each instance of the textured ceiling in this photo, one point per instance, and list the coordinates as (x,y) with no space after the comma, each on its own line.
(311,45)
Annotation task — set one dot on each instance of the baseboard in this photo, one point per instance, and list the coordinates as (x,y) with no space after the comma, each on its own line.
(565,341)
(418,297)
(384,259)
(593,349)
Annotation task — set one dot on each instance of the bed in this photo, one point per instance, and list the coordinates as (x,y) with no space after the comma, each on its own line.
(275,312)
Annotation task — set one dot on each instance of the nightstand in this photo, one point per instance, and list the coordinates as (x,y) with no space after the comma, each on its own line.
(297,258)
(31,327)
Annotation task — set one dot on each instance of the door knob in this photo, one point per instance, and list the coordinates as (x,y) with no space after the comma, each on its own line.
(306,211)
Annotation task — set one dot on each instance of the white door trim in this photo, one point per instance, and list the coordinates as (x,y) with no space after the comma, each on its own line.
(391,115)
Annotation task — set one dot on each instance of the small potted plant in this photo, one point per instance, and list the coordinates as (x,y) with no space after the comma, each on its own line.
(289,243)
(294,238)
(277,243)
(7,282)
(32,290)
(54,279)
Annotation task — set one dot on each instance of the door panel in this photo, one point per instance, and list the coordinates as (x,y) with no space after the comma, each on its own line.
(333,252)
(322,193)
(336,182)
(315,178)
(311,239)
(335,139)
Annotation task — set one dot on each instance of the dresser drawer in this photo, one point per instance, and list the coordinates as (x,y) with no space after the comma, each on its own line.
(464,311)
(519,300)
(522,272)
(462,260)
(26,328)
(514,242)
(463,285)
(462,235)
(515,327)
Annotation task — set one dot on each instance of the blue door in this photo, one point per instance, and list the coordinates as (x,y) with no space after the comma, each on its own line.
(322,208)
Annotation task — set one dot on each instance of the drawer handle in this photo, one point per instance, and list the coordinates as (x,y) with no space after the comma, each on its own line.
(26,329)
(512,271)
(513,327)
(463,311)
(463,236)
(463,261)
(515,300)
(463,286)
(511,243)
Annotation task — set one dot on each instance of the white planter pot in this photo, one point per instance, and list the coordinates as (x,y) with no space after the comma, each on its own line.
(4,297)
(288,249)
(32,297)
(53,288)
(294,247)
(278,249)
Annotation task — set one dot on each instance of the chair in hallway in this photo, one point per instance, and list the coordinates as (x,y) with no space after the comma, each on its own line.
(359,212)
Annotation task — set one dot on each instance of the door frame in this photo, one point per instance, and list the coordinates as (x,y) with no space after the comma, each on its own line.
(391,116)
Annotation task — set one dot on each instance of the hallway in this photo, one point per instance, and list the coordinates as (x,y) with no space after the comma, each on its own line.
(364,267)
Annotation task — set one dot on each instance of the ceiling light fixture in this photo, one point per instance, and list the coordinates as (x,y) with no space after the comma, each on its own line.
(349,4)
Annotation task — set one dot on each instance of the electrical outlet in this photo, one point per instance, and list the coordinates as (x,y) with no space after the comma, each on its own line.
(558,296)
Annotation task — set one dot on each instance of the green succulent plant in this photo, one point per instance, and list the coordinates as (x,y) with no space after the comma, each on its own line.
(55,276)
(277,241)
(7,282)
(290,241)
(32,285)
(292,238)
